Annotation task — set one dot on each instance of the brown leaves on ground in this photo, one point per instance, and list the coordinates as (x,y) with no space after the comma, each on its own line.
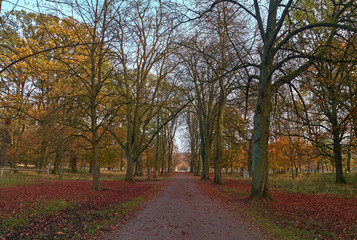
(324,216)
(63,209)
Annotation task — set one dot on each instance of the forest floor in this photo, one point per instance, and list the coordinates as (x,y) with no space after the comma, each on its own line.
(291,215)
(183,211)
(177,206)
(68,209)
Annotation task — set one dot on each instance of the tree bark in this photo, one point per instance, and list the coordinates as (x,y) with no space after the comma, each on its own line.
(338,158)
(260,184)
(205,150)
(42,154)
(157,153)
(139,167)
(5,141)
(129,175)
(250,161)
(169,157)
(219,141)
(349,155)
(147,165)
(96,164)
(73,161)
(163,154)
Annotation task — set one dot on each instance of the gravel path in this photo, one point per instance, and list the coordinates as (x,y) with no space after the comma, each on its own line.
(182,211)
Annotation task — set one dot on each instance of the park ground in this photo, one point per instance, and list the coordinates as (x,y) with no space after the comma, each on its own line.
(179,205)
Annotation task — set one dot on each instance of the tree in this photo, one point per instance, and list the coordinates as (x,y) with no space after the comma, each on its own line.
(94,34)
(193,139)
(279,62)
(144,48)
(333,91)
(199,77)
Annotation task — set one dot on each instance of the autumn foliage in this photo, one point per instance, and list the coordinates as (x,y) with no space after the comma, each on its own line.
(65,209)
(320,216)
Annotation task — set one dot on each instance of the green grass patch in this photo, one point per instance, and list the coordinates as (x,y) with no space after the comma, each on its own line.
(31,177)
(310,183)
(19,179)
(105,175)
(54,206)
(105,217)
(234,192)
(13,222)
(22,219)
(276,228)
(315,183)
(293,226)
(75,223)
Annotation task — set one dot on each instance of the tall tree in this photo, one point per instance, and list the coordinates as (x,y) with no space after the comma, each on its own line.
(143,51)
(279,62)
(94,33)
(199,78)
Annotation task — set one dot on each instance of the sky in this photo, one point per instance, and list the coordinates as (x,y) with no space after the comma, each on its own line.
(27,5)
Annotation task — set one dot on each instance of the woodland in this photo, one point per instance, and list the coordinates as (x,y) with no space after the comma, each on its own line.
(257,86)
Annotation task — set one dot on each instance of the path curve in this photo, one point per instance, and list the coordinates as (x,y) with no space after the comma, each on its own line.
(182,211)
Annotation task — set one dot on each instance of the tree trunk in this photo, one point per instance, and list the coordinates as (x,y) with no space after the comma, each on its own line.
(338,158)
(260,185)
(95,149)
(250,152)
(147,165)
(192,168)
(58,161)
(139,167)
(199,164)
(42,154)
(60,169)
(169,157)
(348,163)
(157,153)
(96,167)
(219,141)
(317,167)
(205,160)
(73,161)
(129,175)
(349,155)
(296,171)
(5,141)
(121,160)
(292,166)
(163,155)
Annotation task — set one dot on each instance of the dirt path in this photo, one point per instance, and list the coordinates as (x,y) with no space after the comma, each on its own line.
(182,211)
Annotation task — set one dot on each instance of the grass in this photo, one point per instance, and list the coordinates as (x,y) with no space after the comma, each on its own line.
(105,175)
(285,230)
(66,218)
(22,219)
(311,183)
(96,220)
(110,215)
(31,177)
(19,179)
(289,228)
(316,183)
